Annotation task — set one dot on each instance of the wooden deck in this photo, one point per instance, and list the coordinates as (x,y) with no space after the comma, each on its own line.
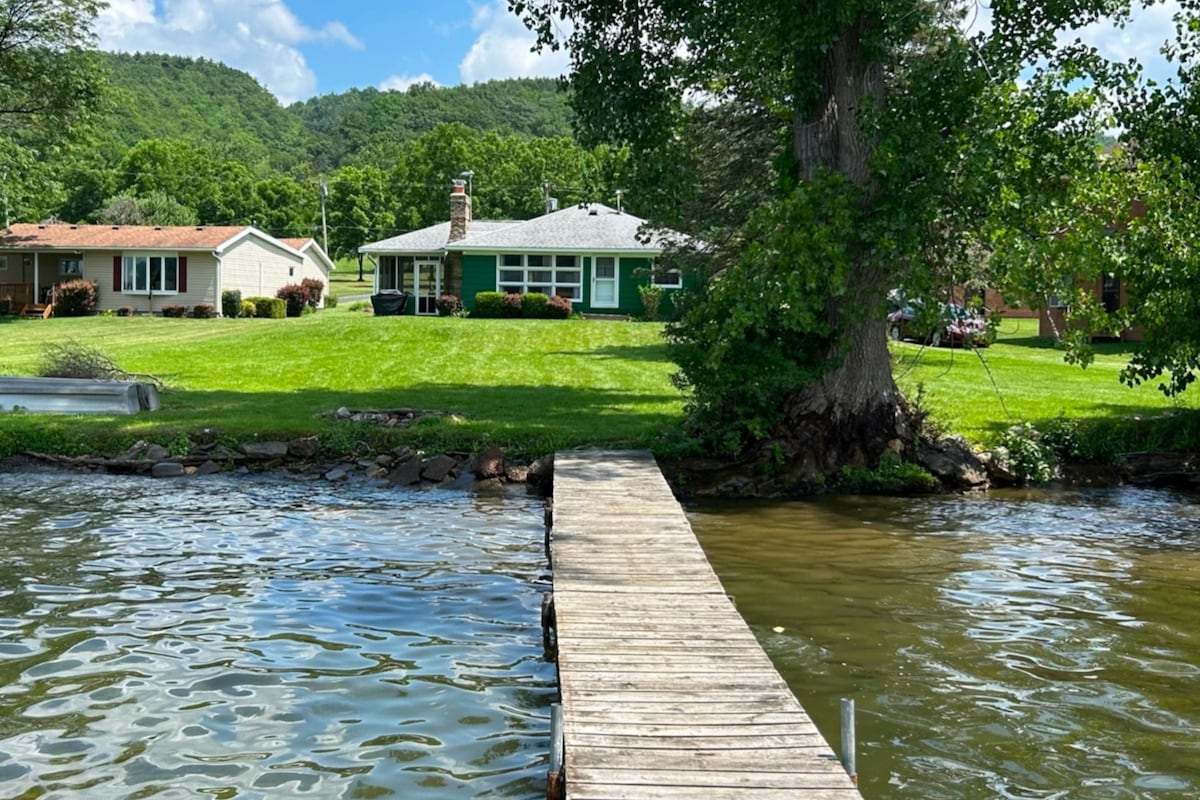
(666,694)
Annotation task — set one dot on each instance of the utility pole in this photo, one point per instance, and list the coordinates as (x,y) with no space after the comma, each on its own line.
(324,229)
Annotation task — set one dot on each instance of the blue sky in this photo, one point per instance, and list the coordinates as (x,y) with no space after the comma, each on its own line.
(301,48)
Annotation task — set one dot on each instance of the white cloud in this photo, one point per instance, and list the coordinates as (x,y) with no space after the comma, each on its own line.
(258,36)
(400,83)
(503,49)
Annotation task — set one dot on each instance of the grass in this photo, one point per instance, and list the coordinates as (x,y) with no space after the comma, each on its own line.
(1022,378)
(532,385)
(344,280)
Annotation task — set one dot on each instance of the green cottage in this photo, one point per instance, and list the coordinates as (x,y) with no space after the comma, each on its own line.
(588,253)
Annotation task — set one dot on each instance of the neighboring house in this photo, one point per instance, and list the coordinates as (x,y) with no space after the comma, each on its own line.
(1107,289)
(146,267)
(589,253)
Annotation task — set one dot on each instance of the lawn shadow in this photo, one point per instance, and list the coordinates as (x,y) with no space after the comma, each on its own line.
(642,352)
(1110,414)
(570,415)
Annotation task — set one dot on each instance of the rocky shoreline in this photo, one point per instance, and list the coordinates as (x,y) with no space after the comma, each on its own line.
(401,467)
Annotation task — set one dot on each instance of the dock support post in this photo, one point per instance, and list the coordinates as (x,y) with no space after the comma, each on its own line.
(549,627)
(848,755)
(556,779)
(548,520)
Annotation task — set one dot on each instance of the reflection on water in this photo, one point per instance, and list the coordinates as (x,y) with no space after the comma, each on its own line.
(218,638)
(1022,645)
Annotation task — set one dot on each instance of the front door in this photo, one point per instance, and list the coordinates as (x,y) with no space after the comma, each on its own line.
(428,282)
(604,282)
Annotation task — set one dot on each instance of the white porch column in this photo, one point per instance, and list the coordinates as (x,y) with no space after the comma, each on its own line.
(37,284)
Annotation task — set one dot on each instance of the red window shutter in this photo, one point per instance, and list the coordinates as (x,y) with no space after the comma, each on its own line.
(116,273)
(183,273)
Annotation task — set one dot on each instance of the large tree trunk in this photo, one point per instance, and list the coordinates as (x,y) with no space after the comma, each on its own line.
(854,412)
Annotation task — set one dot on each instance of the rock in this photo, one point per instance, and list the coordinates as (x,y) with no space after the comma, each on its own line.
(999,467)
(406,471)
(385,459)
(364,463)
(343,413)
(437,468)
(489,486)
(336,475)
(167,469)
(223,453)
(208,468)
(541,474)
(402,452)
(516,474)
(953,463)
(143,451)
(265,450)
(488,464)
(304,447)
(375,472)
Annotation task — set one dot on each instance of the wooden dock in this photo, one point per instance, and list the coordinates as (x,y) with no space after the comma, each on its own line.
(666,694)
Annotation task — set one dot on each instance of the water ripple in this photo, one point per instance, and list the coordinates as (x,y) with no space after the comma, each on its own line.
(241,639)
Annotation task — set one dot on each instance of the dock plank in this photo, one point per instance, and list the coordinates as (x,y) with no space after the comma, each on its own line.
(666,694)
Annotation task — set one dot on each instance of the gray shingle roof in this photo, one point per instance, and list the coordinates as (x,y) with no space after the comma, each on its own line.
(431,239)
(580,228)
(589,228)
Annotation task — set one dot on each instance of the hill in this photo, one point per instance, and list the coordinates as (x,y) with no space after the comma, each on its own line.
(170,97)
(365,126)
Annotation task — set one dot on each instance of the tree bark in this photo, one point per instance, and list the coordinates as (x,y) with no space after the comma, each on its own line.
(854,412)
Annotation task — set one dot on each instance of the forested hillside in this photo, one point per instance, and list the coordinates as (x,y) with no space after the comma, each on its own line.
(367,126)
(185,141)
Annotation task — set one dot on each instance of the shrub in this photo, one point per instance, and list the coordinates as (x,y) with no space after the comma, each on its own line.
(533,305)
(359,305)
(651,300)
(296,298)
(174,310)
(558,307)
(331,301)
(315,288)
(6,306)
(448,305)
(125,311)
(231,302)
(269,307)
(510,306)
(75,298)
(204,311)
(246,309)
(489,305)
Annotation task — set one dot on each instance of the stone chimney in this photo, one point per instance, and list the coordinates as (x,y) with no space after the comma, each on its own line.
(460,211)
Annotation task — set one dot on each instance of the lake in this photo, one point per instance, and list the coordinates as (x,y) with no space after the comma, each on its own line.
(1022,644)
(263,637)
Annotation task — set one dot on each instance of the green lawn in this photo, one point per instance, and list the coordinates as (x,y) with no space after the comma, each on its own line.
(344,280)
(534,384)
(531,385)
(1022,378)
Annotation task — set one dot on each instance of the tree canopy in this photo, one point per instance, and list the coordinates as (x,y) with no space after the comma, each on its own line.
(889,148)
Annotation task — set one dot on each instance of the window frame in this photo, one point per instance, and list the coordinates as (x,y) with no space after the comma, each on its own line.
(556,264)
(129,261)
(655,272)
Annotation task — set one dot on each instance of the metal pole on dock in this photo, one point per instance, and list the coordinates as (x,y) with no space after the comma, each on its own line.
(848,755)
(555,780)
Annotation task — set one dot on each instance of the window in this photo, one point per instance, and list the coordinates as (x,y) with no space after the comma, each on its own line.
(548,274)
(70,266)
(666,278)
(142,273)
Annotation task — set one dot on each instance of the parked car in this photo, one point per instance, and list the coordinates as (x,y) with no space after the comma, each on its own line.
(956,326)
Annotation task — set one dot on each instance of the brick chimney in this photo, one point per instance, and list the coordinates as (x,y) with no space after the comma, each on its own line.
(460,211)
